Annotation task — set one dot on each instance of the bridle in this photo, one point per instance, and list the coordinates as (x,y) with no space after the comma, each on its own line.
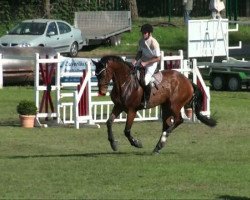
(100,72)
(104,69)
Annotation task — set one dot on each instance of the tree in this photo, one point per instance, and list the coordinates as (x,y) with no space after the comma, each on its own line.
(133,8)
(46,6)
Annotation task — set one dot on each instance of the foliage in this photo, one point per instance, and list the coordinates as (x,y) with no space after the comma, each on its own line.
(12,11)
(26,107)
(242,35)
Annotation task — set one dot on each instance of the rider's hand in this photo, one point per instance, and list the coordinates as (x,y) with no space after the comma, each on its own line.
(134,62)
(144,64)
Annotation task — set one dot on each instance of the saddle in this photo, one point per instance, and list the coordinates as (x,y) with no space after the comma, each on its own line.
(155,80)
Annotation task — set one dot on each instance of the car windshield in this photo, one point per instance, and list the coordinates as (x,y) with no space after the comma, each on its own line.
(29,28)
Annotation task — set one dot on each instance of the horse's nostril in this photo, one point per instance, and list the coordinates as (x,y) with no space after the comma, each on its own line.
(101,93)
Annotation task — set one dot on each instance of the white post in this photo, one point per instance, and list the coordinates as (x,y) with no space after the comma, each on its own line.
(36,82)
(89,92)
(58,87)
(197,74)
(1,72)
(194,62)
(182,58)
(36,86)
(76,113)
(185,67)
(162,61)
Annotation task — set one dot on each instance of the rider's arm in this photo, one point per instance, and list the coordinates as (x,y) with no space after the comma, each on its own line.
(137,57)
(151,61)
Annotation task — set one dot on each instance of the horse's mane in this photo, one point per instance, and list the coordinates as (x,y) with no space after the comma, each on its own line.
(105,59)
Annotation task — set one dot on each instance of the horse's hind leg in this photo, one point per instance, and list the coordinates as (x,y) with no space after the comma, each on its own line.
(127,131)
(115,112)
(169,124)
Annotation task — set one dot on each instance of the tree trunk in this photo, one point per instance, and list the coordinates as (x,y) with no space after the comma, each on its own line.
(133,9)
(46,8)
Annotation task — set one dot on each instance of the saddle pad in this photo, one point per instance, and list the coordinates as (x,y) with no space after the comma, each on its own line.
(158,78)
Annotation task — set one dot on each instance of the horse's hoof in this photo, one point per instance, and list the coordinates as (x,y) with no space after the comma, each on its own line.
(156,151)
(136,143)
(114,145)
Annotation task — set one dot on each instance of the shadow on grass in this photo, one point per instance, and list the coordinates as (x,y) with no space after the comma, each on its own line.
(10,122)
(229,197)
(91,155)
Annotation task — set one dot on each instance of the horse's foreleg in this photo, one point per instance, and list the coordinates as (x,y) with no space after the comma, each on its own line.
(115,112)
(127,131)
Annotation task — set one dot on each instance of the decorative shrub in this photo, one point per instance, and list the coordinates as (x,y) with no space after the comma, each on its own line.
(26,107)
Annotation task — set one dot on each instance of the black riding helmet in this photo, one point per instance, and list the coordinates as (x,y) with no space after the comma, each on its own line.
(147,28)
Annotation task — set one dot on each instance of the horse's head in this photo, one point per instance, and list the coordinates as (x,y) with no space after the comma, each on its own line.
(103,76)
(110,67)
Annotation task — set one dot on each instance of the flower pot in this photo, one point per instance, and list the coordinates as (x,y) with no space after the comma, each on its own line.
(189,112)
(27,121)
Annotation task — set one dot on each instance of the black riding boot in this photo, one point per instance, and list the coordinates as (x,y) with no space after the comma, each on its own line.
(147,91)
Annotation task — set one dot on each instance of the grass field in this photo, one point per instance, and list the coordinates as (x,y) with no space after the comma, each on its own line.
(65,163)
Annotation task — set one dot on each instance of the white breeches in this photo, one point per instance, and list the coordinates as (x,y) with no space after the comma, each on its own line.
(150,70)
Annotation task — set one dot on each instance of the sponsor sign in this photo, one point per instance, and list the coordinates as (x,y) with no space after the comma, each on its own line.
(72,69)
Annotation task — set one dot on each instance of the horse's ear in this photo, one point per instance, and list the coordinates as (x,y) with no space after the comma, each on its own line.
(94,62)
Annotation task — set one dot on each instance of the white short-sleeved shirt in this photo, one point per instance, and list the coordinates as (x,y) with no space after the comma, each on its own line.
(150,48)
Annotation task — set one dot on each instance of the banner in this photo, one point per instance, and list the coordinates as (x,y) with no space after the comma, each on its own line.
(72,68)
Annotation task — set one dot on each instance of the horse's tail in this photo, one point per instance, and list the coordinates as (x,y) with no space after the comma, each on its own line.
(197,101)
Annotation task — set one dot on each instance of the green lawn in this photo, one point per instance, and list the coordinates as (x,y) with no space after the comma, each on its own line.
(65,163)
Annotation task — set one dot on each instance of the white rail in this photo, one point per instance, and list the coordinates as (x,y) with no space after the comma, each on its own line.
(1,72)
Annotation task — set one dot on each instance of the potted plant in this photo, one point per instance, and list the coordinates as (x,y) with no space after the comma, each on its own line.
(27,112)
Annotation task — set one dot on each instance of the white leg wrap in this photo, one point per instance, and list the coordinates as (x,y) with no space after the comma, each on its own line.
(164,137)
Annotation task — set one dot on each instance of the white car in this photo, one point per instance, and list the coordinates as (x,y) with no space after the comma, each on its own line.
(58,34)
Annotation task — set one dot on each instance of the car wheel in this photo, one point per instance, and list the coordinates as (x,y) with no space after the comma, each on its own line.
(218,82)
(114,41)
(234,83)
(73,50)
(118,39)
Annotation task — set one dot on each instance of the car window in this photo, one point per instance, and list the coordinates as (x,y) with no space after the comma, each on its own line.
(52,28)
(63,28)
(28,28)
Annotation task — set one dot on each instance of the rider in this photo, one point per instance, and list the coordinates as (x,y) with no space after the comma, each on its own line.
(148,56)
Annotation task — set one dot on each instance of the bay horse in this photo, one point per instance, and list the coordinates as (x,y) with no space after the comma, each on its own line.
(172,93)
